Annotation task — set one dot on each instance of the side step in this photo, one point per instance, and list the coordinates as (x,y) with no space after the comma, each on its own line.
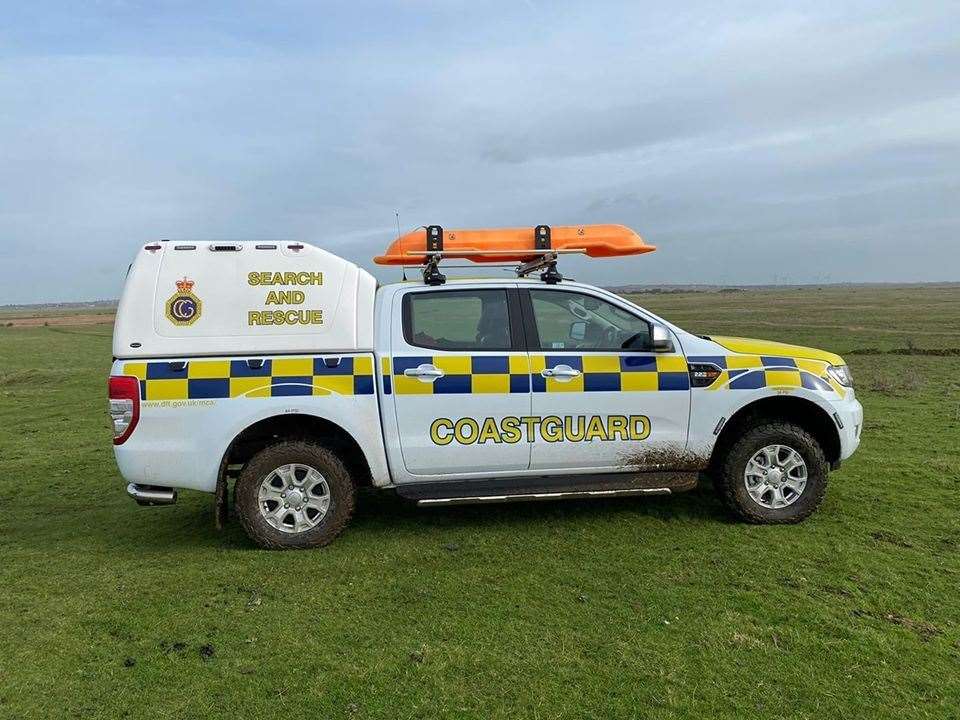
(557,487)
(527,497)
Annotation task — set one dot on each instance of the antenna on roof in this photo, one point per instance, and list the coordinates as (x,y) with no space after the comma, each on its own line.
(403,272)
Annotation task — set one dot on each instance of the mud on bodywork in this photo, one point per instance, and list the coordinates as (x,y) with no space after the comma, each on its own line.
(670,465)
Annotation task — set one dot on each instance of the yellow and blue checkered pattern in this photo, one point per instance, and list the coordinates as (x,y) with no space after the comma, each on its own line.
(463,374)
(751,372)
(255,378)
(477,374)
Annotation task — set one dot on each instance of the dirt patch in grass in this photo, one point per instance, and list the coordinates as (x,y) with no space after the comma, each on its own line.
(26,377)
(891,539)
(893,384)
(925,630)
(927,352)
(54,320)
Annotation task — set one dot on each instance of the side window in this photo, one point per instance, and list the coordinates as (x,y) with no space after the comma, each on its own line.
(457,320)
(573,321)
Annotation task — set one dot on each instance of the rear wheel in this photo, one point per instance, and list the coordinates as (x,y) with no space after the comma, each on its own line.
(775,473)
(294,495)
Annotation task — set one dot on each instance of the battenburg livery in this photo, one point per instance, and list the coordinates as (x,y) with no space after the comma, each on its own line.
(285,372)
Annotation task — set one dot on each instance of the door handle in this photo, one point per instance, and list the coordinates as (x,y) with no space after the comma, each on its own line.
(424,372)
(561,372)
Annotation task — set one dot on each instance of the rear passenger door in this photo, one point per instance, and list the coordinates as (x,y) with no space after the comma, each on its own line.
(459,376)
(593,371)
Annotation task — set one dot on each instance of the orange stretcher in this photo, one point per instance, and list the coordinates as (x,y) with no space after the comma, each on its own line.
(506,245)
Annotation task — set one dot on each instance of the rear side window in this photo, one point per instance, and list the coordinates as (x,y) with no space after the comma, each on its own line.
(457,320)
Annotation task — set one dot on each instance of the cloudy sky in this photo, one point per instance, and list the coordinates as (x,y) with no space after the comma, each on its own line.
(752,142)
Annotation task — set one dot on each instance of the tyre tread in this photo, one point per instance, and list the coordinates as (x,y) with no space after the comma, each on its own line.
(730,473)
(277,454)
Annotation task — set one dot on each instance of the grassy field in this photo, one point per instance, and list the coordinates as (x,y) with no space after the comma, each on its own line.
(654,608)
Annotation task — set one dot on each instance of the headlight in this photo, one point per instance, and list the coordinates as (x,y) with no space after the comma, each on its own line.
(842,374)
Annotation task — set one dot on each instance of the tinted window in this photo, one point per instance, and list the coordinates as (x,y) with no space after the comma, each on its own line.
(458,320)
(573,321)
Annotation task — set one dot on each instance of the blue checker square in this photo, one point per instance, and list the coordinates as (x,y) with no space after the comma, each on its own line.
(363,385)
(539,382)
(489,364)
(574,361)
(638,363)
(344,367)
(673,381)
(387,385)
(408,363)
(520,383)
(452,384)
(749,381)
(600,382)
(240,369)
(208,388)
(290,385)
(166,371)
(812,382)
(774,361)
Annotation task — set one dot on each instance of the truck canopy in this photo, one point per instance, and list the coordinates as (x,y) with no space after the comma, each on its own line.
(202,298)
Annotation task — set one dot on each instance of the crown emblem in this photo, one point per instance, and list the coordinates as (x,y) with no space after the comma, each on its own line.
(185,285)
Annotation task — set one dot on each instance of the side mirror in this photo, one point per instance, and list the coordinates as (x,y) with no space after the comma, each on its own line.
(660,339)
(578,330)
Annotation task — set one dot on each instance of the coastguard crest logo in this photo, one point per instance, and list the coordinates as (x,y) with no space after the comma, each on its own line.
(183,307)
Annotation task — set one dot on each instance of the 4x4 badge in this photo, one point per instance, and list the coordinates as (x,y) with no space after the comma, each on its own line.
(183,307)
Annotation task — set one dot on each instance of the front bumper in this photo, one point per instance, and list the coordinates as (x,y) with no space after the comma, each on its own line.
(848,415)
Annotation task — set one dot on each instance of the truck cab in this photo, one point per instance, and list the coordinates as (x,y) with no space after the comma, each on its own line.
(288,374)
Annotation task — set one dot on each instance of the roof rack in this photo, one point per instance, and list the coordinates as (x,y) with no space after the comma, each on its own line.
(536,250)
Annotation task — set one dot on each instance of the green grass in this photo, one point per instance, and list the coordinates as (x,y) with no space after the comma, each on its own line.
(656,608)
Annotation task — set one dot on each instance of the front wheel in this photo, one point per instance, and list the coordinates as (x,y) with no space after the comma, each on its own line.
(294,495)
(776,473)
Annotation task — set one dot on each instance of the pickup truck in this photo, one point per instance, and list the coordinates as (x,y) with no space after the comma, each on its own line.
(286,372)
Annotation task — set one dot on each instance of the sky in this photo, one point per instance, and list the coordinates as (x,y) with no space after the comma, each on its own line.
(752,142)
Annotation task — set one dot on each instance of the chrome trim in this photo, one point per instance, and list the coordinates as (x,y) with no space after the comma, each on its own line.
(152,494)
(527,497)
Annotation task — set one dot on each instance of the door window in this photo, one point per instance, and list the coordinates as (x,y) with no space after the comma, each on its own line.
(457,320)
(575,321)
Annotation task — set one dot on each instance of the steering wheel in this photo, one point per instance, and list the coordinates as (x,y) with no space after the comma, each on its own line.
(610,336)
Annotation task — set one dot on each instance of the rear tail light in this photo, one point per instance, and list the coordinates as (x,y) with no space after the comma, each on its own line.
(124,393)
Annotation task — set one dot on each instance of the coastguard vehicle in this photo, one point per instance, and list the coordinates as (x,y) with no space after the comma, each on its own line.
(288,374)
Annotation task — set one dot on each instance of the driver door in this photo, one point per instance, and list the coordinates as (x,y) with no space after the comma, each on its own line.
(591,358)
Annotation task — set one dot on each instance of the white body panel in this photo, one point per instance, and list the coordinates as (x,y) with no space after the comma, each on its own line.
(666,406)
(320,302)
(414,413)
(180,441)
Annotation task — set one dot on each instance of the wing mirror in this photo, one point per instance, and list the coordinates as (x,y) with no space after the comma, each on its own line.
(578,330)
(660,339)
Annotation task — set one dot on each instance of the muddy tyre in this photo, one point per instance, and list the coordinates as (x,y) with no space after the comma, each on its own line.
(294,495)
(775,473)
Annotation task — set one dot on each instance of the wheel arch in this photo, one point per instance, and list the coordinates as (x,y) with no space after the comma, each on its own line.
(274,428)
(782,408)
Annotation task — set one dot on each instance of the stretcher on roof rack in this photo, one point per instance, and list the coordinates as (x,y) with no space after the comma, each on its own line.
(535,248)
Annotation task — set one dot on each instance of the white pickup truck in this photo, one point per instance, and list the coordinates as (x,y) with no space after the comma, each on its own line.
(286,371)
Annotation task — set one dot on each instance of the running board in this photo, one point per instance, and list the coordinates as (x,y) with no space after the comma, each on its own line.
(547,487)
(530,497)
